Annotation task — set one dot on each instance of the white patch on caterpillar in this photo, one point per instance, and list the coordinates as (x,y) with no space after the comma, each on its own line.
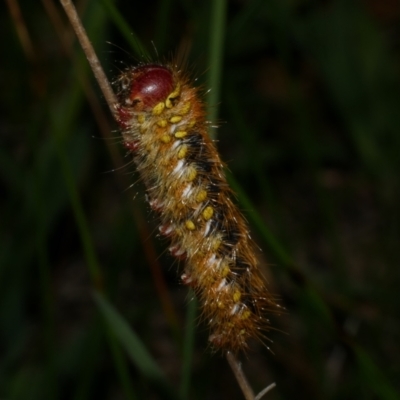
(211,261)
(222,285)
(166,230)
(186,279)
(176,145)
(207,228)
(187,191)
(179,166)
(177,251)
(156,205)
(235,309)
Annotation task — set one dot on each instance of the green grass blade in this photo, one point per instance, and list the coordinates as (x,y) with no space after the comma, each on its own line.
(216,42)
(374,376)
(135,349)
(188,345)
(126,30)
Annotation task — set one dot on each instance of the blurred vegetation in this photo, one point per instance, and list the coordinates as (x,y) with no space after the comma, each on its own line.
(308,105)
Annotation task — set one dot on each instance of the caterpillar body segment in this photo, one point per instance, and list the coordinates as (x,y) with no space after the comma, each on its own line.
(163,124)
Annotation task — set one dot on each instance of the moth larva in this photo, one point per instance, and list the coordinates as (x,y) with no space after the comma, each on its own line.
(163,124)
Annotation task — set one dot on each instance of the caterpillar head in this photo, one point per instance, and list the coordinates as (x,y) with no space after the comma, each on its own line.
(141,88)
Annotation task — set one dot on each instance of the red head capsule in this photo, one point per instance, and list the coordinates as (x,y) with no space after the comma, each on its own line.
(145,86)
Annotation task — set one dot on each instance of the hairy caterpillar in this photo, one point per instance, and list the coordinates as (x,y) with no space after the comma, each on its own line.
(163,124)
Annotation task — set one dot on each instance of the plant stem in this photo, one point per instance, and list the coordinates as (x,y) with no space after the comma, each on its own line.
(91,56)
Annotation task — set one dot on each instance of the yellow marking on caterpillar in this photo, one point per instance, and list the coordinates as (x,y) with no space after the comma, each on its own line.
(236,296)
(201,196)
(192,123)
(173,95)
(180,134)
(141,118)
(182,151)
(208,213)
(175,119)
(246,314)
(225,271)
(191,175)
(158,109)
(165,138)
(216,243)
(220,304)
(162,123)
(190,225)
(185,108)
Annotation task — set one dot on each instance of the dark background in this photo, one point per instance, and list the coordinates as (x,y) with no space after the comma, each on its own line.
(309,126)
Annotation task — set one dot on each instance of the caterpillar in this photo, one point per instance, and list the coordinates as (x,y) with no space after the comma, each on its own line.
(163,124)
